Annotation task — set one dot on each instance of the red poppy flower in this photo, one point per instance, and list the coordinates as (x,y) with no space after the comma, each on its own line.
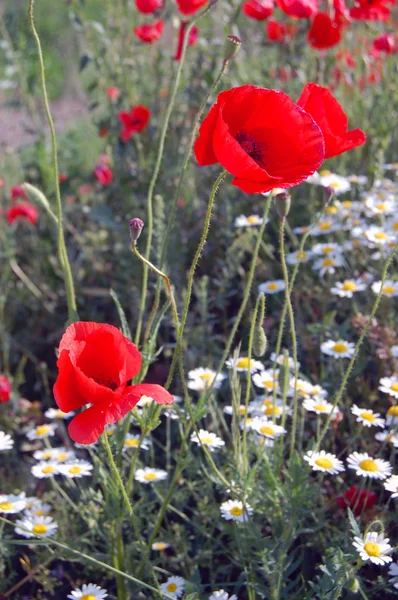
(258,9)
(298,9)
(193,38)
(262,137)
(324,33)
(341,13)
(148,6)
(62,177)
(370,10)
(113,93)
(386,43)
(189,7)
(134,121)
(280,32)
(17,191)
(103,131)
(25,212)
(357,499)
(5,389)
(103,173)
(150,32)
(94,365)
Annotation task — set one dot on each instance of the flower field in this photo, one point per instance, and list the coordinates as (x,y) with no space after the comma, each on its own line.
(198,300)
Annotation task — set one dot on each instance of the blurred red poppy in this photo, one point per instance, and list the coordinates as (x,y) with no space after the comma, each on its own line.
(341,13)
(298,9)
(17,191)
(370,10)
(258,9)
(386,43)
(24,212)
(329,115)
(103,173)
(280,32)
(324,33)
(193,38)
(113,93)
(189,7)
(150,32)
(262,137)
(94,365)
(357,499)
(62,177)
(134,121)
(5,389)
(148,6)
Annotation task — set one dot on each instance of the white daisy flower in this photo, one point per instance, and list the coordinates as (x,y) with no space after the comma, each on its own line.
(272,287)
(11,504)
(267,428)
(347,288)
(145,401)
(394,351)
(378,236)
(208,439)
(374,547)
(339,184)
(45,469)
(393,572)
(228,410)
(270,409)
(221,595)
(392,415)
(56,413)
(60,454)
(378,206)
(242,364)
(319,406)
(284,362)
(305,388)
(358,179)
(174,587)
(392,225)
(363,464)
(298,257)
(39,509)
(36,527)
(235,510)
(367,417)
(301,230)
(250,221)
(324,227)
(330,249)
(201,379)
(131,442)
(88,592)
(6,442)
(387,436)
(78,468)
(390,288)
(338,349)
(148,475)
(389,385)
(42,431)
(325,462)
(391,485)
(266,380)
(249,424)
(328,264)
(160,546)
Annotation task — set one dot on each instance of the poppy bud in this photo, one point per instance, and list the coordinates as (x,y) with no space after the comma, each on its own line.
(260,342)
(353,585)
(231,47)
(282,203)
(136,226)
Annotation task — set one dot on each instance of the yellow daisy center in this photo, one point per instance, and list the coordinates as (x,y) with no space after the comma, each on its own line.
(88,597)
(40,528)
(268,383)
(301,255)
(395,226)
(236,511)
(381,206)
(160,546)
(349,286)
(394,387)
(75,470)
(265,430)
(42,430)
(331,210)
(328,262)
(372,549)
(149,476)
(356,243)
(206,376)
(324,463)
(47,470)
(340,348)
(320,407)
(39,513)
(368,416)
(243,363)
(335,185)
(393,411)
(325,226)
(47,455)
(369,465)
(6,505)
(388,289)
(273,410)
(206,440)
(63,456)
(133,443)
(347,203)
(252,219)
(327,250)
(324,173)
(380,235)
(272,286)
(172,587)
(242,410)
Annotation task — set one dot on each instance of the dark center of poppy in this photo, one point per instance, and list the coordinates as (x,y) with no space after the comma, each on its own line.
(108,383)
(250,146)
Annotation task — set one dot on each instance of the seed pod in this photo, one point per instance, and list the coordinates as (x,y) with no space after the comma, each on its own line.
(136,226)
(231,47)
(282,203)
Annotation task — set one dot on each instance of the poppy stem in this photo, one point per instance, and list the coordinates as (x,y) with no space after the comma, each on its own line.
(62,252)
(357,347)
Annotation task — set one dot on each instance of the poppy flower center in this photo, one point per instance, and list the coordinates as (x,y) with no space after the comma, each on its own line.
(372,549)
(250,146)
(236,511)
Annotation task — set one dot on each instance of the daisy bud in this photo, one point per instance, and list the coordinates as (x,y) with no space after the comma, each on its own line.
(282,203)
(231,47)
(136,226)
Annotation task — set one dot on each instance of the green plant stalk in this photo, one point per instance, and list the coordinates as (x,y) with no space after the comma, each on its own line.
(178,191)
(292,329)
(156,170)
(357,347)
(62,252)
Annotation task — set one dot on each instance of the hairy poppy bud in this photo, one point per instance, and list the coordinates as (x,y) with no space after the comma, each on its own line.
(231,47)
(136,226)
(353,585)
(282,203)
(260,341)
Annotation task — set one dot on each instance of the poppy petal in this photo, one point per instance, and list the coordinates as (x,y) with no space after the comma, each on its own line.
(204,144)
(134,393)
(88,425)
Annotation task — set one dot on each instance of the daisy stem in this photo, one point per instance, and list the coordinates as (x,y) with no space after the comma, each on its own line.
(288,304)
(62,252)
(357,347)
(64,495)
(156,170)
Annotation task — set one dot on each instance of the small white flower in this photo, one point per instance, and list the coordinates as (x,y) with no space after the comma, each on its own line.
(366,466)
(88,592)
(201,379)
(160,546)
(41,432)
(132,442)
(339,184)
(394,351)
(367,417)
(45,469)
(6,442)
(266,380)
(267,428)
(358,179)
(145,401)
(298,257)
(391,485)
(269,408)
(59,454)
(228,410)
(325,250)
(389,385)
(378,206)
(221,595)
(392,415)
(148,475)
(319,406)
(324,227)
(250,221)
(208,439)
(325,462)
(347,288)
(272,287)
(338,349)
(11,504)
(38,509)
(393,572)
(387,436)
(390,288)
(78,468)
(174,587)
(374,547)
(305,388)
(301,230)
(235,510)
(57,413)
(280,360)
(36,527)
(328,264)
(377,236)
(242,364)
